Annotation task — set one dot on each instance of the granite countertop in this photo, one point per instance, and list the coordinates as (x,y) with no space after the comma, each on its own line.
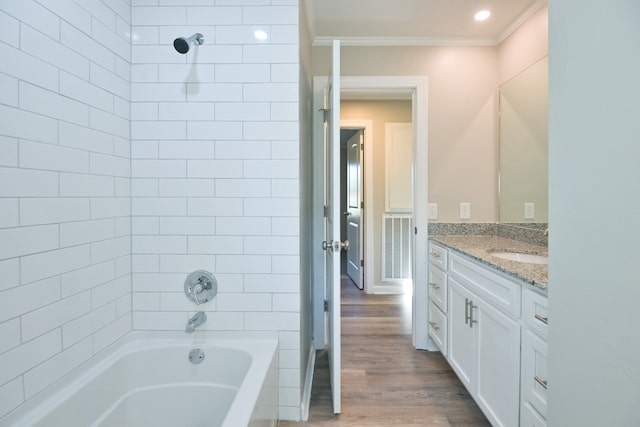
(480,248)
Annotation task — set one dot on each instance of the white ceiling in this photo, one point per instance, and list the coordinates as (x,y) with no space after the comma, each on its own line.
(415,22)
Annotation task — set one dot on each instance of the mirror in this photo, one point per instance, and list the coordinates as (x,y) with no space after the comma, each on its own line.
(523,146)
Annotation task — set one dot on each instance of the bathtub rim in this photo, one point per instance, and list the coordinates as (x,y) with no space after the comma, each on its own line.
(56,394)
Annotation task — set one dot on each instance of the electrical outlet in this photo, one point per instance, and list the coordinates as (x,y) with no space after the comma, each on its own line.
(432,212)
(465,210)
(529,210)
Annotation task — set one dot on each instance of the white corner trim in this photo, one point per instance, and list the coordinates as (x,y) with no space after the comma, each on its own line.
(311,19)
(308,383)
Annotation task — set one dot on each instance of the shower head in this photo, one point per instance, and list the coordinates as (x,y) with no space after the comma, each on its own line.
(182,44)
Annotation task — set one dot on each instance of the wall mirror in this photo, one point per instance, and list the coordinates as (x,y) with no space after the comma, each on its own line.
(523,146)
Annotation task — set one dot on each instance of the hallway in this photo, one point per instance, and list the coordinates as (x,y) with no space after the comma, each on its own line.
(385,382)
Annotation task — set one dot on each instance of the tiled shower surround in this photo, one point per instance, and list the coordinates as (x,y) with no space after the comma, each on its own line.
(214,144)
(65,244)
(125,165)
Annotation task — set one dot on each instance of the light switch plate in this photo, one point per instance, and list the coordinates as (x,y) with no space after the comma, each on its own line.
(432,212)
(529,210)
(465,210)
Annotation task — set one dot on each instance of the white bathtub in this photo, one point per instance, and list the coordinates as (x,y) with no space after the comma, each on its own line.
(146,379)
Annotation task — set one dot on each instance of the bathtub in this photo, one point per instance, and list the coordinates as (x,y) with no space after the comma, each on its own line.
(146,379)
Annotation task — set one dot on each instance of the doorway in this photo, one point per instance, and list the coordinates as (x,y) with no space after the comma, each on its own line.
(352,202)
(416,87)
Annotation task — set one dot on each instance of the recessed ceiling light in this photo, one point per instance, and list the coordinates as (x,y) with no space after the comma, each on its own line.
(482,15)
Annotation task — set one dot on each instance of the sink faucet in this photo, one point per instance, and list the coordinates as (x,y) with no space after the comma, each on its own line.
(198,319)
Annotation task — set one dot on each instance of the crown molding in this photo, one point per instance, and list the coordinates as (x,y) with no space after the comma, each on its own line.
(403,41)
(528,13)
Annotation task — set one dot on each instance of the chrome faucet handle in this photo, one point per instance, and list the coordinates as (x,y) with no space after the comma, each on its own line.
(196,289)
(200,286)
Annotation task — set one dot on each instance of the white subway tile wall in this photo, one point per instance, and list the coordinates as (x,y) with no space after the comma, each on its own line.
(125,165)
(215,170)
(65,233)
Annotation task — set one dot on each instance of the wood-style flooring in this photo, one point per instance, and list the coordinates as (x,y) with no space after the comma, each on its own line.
(385,381)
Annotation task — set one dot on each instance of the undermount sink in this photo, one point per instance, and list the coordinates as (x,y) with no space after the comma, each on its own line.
(522,257)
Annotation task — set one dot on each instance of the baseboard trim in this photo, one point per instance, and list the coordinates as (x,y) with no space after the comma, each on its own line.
(388,289)
(308,383)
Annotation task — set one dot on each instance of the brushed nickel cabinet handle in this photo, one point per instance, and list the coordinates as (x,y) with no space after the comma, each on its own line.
(466,311)
(434,254)
(434,285)
(540,381)
(544,320)
(471,320)
(435,326)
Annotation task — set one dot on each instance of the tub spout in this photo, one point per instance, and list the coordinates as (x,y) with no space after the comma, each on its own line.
(198,319)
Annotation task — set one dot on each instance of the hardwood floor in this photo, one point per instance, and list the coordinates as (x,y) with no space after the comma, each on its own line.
(385,381)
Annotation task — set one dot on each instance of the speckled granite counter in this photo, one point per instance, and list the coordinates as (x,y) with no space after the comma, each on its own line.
(480,248)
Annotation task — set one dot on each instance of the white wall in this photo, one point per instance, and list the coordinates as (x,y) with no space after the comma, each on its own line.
(65,264)
(594,183)
(215,171)
(462,118)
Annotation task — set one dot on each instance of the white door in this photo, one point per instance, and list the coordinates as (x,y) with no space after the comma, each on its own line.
(354,208)
(332,244)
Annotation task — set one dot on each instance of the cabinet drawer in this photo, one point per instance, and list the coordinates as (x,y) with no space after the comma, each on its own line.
(533,379)
(503,293)
(530,418)
(438,327)
(535,312)
(438,287)
(438,256)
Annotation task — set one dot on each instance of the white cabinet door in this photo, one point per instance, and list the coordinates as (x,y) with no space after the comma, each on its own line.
(438,327)
(438,287)
(461,337)
(498,364)
(534,371)
(530,418)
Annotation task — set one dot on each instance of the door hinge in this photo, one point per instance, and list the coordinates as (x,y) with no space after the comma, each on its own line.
(361,263)
(361,147)
(325,114)
(361,205)
(325,211)
(415,230)
(326,305)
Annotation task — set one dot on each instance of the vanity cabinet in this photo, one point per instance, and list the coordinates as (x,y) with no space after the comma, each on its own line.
(438,258)
(484,350)
(534,360)
(495,338)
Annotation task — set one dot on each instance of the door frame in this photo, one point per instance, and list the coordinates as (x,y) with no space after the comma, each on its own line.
(367,164)
(417,86)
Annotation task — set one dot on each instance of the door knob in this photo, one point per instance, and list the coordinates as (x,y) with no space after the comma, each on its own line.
(335,245)
(338,245)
